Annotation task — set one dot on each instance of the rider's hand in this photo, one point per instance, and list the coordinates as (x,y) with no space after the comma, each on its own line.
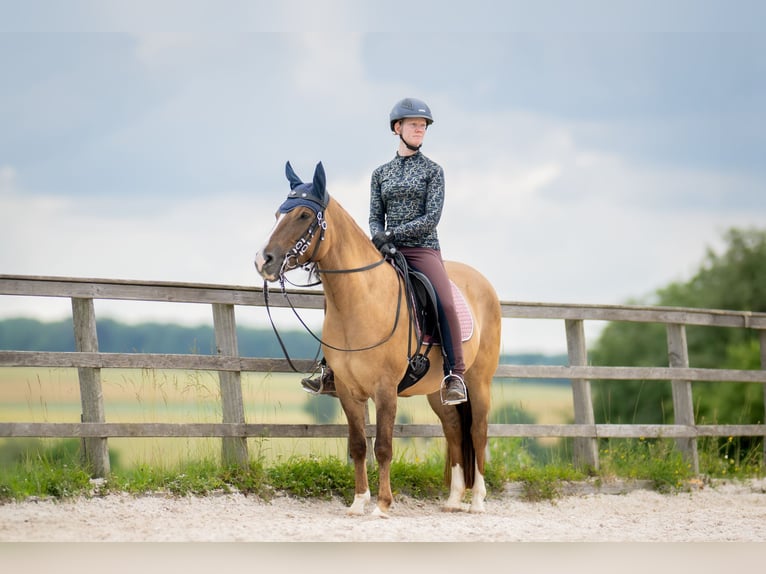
(383,237)
(388,249)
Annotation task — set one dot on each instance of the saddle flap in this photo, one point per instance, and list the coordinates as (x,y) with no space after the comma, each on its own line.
(425,297)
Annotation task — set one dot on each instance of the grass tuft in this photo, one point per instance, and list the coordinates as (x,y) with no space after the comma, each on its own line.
(313,478)
(418,479)
(193,478)
(44,471)
(656,460)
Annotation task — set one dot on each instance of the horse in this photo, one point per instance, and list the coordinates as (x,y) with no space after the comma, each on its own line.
(365,340)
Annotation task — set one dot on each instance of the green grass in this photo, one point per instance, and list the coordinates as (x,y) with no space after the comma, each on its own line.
(641,459)
(725,457)
(313,478)
(51,469)
(193,478)
(540,471)
(34,469)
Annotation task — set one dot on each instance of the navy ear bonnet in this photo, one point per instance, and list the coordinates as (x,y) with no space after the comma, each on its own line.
(312,195)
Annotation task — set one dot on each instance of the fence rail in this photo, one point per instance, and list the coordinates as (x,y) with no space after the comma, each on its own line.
(234,431)
(409,430)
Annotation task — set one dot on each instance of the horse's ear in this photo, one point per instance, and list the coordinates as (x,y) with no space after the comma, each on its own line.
(320,181)
(294,180)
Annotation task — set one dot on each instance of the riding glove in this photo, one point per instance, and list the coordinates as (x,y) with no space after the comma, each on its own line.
(383,237)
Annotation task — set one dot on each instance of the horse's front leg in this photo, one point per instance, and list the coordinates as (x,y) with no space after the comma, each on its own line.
(357,447)
(385,412)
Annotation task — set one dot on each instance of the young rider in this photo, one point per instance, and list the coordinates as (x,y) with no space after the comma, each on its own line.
(406,201)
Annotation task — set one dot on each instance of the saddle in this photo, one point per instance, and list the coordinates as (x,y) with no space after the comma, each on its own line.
(423,306)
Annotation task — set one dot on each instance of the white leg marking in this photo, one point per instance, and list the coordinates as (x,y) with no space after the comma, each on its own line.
(478,493)
(357,507)
(456,489)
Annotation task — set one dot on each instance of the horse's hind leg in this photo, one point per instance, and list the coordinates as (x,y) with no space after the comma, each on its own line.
(479,380)
(480,402)
(357,447)
(450,420)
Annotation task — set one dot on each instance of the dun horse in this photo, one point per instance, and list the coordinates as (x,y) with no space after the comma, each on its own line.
(365,339)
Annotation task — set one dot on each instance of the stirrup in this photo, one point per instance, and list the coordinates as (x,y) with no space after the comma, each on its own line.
(322,384)
(453,396)
(314,385)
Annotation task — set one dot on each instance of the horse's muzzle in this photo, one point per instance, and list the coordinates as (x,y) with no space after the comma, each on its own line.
(266,265)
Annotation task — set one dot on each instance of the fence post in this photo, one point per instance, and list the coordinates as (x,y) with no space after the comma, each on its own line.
(762,334)
(585,449)
(683,404)
(95,449)
(370,440)
(234,449)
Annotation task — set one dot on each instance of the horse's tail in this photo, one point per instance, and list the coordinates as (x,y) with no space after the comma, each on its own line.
(469,453)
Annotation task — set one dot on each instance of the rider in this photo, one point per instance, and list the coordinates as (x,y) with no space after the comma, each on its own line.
(406,201)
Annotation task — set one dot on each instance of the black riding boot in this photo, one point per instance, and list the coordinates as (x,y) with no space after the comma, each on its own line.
(322,384)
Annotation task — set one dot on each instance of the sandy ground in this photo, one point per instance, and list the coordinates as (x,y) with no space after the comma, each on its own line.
(719,512)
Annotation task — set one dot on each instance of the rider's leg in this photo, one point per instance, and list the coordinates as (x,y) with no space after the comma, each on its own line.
(429,262)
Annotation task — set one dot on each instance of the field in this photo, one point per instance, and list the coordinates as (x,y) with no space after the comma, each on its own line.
(132,395)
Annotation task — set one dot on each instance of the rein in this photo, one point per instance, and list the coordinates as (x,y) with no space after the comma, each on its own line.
(300,248)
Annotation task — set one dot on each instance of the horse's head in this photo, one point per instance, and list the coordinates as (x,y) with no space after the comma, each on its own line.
(299,228)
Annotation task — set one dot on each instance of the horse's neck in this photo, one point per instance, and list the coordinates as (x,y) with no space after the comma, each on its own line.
(348,248)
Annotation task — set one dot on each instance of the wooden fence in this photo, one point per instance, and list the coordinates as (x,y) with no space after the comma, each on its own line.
(94,430)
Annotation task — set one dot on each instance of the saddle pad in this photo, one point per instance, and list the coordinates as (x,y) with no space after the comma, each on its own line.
(463,313)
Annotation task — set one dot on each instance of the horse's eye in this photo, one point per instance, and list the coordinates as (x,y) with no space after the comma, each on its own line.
(304,215)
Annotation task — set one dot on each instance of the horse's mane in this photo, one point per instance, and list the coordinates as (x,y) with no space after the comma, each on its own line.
(339,211)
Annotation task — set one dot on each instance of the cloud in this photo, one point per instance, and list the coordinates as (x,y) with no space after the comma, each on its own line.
(205,240)
(7,179)
(533,247)
(584,162)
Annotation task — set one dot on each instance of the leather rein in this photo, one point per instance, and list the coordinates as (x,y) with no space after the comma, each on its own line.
(290,262)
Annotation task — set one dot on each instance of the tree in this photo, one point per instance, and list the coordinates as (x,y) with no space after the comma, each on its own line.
(735,280)
(322,408)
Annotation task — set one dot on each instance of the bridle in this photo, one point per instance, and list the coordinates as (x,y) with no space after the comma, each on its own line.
(291,261)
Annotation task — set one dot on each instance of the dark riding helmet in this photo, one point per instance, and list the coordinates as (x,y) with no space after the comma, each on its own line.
(410,108)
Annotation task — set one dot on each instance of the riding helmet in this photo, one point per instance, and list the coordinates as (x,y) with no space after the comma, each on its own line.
(410,108)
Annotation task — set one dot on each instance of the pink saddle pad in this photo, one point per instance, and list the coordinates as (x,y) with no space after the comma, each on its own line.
(463,314)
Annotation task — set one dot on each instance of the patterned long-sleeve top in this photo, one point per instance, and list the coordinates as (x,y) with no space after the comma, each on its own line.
(407,197)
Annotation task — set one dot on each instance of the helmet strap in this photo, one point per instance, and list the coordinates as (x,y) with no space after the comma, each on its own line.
(410,147)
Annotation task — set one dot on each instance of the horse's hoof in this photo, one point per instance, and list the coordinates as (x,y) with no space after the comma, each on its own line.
(357,507)
(452,508)
(380,513)
(477,508)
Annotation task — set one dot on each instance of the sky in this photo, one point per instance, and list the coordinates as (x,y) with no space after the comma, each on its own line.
(593,151)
